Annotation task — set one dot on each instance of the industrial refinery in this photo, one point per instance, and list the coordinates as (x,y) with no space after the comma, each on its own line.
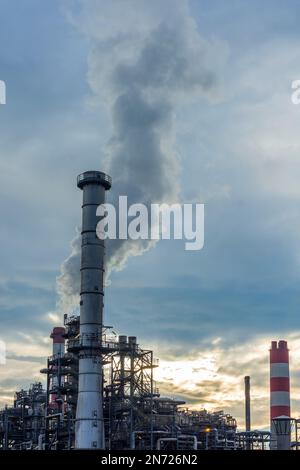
(100,392)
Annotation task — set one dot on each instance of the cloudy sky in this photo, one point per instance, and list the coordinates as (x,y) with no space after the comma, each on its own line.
(213,79)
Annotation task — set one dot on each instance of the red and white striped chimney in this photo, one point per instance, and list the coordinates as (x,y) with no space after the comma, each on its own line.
(58,340)
(58,349)
(279,384)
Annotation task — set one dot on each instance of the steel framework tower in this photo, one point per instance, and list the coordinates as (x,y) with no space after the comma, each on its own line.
(89,430)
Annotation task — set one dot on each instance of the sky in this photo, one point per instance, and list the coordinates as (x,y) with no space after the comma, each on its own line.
(230,141)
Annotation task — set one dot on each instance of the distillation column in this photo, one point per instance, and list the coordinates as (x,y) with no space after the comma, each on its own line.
(89,431)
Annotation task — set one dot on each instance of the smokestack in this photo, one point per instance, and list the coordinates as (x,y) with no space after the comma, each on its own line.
(280,392)
(89,431)
(58,349)
(247,403)
(247,409)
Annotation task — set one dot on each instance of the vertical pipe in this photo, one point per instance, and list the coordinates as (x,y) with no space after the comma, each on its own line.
(89,430)
(151,403)
(111,397)
(247,410)
(123,346)
(6,431)
(279,391)
(47,407)
(132,345)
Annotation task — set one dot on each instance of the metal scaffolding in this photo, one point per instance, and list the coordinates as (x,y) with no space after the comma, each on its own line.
(135,415)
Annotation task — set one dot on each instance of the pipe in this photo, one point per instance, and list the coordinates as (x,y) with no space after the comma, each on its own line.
(89,428)
(184,437)
(165,439)
(188,437)
(40,442)
(122,346)
(132,436)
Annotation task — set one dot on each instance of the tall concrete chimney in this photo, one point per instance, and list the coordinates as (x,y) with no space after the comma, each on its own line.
(89,430)
(280,392)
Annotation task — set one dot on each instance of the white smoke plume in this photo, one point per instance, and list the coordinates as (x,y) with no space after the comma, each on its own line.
(146,59)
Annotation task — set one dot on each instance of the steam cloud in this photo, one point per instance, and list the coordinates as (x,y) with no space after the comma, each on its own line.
(145,61)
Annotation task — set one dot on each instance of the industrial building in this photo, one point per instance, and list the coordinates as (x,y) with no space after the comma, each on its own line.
(135,416)
(100,392)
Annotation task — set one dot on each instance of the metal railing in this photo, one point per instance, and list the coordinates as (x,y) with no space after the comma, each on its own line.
(92,176)
(87,340)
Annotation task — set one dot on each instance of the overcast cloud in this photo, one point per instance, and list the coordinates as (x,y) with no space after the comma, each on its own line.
(233,145)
